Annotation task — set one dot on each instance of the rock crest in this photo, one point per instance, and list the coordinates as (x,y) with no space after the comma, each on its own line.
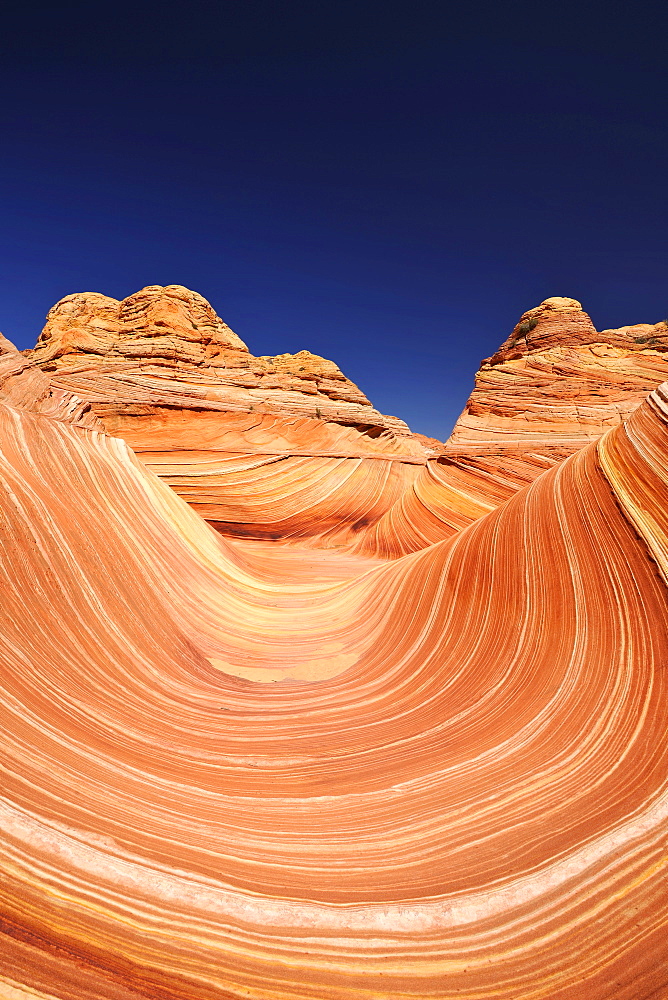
(166,347)
(556,382)
(168,322)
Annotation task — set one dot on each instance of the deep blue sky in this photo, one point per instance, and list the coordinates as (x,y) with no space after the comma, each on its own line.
(386,184)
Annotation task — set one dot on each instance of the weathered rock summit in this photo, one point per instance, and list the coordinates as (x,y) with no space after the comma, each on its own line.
(556,382)
(166,347)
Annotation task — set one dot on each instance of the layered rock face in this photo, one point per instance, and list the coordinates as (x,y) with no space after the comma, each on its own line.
(165,348)
(269,446)
(557,383)
(287,447)
(235,767)
(27,387)
(554,385)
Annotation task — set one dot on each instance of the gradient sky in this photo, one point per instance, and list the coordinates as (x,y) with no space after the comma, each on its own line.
(388,184)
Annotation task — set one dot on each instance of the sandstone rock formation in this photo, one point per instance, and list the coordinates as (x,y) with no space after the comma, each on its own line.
(27,387)
(554,385)
(235,768)
(287,447)
(165,348)
(269,446)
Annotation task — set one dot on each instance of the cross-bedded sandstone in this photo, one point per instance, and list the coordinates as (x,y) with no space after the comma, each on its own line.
(237,767)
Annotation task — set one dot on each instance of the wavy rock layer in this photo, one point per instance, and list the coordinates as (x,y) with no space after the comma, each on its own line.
(424,756)
(458,788)
(288,448)
(266,447)
(553,386)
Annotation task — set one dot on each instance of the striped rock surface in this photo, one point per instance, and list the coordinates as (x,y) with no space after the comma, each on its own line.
(557,383)
(266,447)
(554,385)
(287,448)
(239,769)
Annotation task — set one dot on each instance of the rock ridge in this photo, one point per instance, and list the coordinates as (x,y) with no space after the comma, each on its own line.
(173,334)
(287,447)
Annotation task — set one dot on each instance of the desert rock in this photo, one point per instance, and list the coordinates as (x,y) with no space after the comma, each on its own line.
(554,385)
(233,768)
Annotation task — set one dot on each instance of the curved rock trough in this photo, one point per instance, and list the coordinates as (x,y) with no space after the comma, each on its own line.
(391,725)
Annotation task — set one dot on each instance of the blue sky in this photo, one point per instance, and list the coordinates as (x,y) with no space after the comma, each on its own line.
(388,185)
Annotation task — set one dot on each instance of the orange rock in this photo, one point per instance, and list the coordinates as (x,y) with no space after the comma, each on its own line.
(288,448)
(27,387)
(172,323)
(281,446)
(554,385)
(238,769)
(166,347)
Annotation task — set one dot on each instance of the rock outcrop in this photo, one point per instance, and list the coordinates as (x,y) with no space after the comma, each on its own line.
(236,769)
(25,386)
(165,348)
(554,385)
(282,446)
(288,448)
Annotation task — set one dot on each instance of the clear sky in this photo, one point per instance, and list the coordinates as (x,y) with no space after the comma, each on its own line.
(387,184)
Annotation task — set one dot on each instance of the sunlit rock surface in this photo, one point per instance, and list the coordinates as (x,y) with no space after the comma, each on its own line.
(242,767)
(553,386)
(287,447)
(282,446)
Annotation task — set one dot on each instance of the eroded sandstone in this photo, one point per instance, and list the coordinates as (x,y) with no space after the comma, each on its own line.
(429,762)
